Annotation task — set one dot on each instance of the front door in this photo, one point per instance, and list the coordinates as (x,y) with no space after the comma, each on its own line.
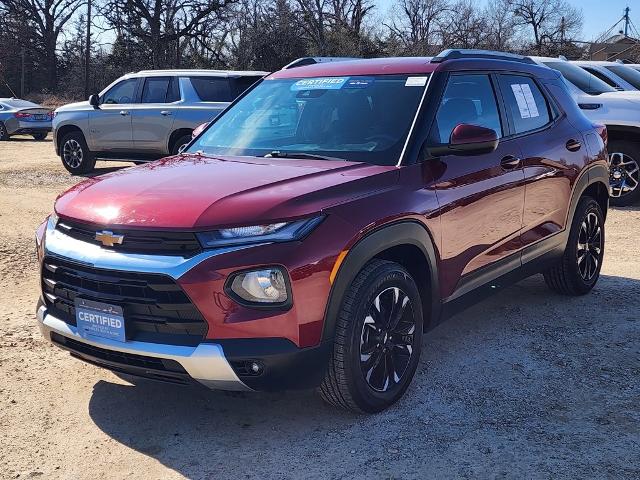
(110,125)
(481,197)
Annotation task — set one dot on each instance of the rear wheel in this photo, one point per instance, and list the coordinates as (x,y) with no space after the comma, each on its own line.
(179,143)
(578,270)
(4,135)
(40,136)
(75,154)
(378,339)
(624,172)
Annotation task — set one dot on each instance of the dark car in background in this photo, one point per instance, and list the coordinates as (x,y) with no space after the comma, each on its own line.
(144,116)
(21,117)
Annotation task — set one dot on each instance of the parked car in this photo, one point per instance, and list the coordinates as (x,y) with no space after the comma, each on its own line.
(620,113)
(21,117)
(316,228)
(618,75)
(143,116)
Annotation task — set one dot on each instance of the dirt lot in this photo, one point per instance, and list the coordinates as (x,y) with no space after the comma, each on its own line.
(528,384)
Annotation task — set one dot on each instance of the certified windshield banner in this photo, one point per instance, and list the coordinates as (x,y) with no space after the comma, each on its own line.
(329,83)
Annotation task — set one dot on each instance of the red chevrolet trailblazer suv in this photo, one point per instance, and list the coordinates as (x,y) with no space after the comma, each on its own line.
(324,221)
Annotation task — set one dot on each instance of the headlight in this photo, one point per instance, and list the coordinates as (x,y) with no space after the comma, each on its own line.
(267,286)
(274,232)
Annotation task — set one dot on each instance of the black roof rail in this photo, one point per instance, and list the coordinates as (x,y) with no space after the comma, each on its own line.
(457,53)
(301,62)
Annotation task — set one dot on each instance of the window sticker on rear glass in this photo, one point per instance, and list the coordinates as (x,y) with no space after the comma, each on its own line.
(416,82)
(329,83)
(524,98)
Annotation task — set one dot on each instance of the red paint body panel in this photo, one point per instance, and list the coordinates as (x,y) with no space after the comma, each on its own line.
(374,66)
(198,192)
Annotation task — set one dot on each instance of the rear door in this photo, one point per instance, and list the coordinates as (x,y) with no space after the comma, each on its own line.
(110,125)
(552,156)
(481,196)
(153,116)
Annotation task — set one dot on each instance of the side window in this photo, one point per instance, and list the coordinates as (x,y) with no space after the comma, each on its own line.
(173,94)
(526,103)
(240,84)
(122,92)
(212,89)
(601,76)
(467,99)
(155,90)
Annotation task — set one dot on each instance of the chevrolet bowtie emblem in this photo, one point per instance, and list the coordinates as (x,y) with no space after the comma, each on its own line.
(109,239)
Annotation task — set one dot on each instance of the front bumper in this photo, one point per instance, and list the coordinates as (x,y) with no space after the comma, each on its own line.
(205,363)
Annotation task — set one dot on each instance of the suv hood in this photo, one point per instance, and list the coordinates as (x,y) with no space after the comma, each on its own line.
(196,192)
(75,106)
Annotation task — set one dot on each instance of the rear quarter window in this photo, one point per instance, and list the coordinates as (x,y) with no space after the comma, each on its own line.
(212,89)
(526,104)
(240,84)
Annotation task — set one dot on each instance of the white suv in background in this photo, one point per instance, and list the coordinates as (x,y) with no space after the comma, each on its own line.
(620,112)
(144,116)
(618,75)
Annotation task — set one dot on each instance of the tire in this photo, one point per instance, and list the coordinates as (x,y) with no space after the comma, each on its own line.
(75,155)
(183,140)
(362,340)
(39,136)
(579,268)
(4,135)
(624,172)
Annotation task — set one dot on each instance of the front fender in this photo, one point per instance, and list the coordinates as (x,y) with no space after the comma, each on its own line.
(404,232)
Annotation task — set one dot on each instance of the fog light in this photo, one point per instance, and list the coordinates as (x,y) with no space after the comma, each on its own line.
(264,286)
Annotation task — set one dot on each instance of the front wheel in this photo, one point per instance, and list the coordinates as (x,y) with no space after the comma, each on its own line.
(179,143)
(378,340)
(75,154)
(40,136)
(579,268)
(624,172)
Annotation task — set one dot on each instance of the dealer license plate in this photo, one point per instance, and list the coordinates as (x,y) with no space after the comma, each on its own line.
(99,319)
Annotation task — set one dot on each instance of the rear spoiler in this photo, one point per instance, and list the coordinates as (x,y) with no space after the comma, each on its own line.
(301,62)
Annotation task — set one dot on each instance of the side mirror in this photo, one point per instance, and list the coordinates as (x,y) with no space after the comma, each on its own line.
(94,101)
(182,147)
(468,139)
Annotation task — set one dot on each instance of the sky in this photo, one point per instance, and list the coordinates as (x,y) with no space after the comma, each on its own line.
(598,15)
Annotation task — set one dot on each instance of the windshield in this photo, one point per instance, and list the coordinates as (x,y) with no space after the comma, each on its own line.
(582,79)
(626,73)
(356,118)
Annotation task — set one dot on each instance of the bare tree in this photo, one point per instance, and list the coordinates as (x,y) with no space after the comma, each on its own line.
(45,21)
(415,24)
(163,24)
(551,22)
(500,26)
(463,26)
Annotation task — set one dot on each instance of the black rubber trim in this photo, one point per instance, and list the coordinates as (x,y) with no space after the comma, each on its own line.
(406,232)
(284,365)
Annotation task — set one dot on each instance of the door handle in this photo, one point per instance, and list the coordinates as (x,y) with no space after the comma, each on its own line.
(124,113)
(165,112)
(573,145)
(510,162)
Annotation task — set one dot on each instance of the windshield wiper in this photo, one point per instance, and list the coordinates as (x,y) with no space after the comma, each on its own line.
(299,155)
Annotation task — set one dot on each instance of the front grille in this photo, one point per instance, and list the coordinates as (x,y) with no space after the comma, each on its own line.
(129,363)
(152,242)
(155,308)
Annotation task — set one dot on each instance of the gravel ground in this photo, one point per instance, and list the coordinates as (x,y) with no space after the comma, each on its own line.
(527,384)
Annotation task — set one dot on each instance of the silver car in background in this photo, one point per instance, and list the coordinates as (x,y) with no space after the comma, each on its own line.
(20,117)
(144,116)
